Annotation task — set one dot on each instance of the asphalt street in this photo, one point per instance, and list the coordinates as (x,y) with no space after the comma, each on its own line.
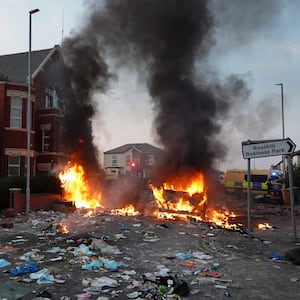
(101,256)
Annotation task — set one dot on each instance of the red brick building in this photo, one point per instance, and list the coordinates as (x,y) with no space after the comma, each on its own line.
(48,97)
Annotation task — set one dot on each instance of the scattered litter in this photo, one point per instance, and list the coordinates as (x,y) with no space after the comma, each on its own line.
(44,294)
(267,242)
(82,241)
(32,256)
(83,296)
(227,294)
(170,284)
(124,229)
(183,256)
(133,295)
(219,286)
(210,234)
(276,256)
(163,225)
(205,236)
(103,247)
(6,248)
(150,236)
(95,264)
(83,250)
(4,263)
(42,276)
(97,256)
(233,247)
(129,272)
(119,236)
(201,255)
(186,264)
(24,269)
(162,270)
(169,255)
(58,258)
(56,250)
(213,274)
(195,291)
(103,281)
(19,240)
(215,266)
(34,223)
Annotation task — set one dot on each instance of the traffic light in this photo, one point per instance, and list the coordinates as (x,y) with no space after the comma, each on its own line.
(133,165)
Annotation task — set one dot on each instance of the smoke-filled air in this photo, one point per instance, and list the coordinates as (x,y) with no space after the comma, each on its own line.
(169,44)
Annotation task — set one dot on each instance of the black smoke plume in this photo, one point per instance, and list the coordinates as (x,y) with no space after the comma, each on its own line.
(88,73)
(170,41)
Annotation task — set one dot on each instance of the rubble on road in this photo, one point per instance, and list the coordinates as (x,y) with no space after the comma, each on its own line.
(54,255)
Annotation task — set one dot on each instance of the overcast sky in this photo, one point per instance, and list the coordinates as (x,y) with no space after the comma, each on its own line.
(271,56)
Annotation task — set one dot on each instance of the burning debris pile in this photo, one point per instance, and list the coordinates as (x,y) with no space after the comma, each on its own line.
(184,199)
(185,196)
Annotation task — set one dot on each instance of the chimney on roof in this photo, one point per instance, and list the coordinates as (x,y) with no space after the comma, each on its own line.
(3,77)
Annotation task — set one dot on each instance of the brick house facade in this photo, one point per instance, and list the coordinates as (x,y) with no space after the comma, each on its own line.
(131,159)
(50,91)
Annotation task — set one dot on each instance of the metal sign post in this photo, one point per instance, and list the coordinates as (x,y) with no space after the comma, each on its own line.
(292,199)
(249,198)
(264,148)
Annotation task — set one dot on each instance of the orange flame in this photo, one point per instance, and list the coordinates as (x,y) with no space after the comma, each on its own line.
(221,218)
(62,228)
(264,226)
(191,186)
(129,210)
(77,189)
(180,205)
(183,198)
(183,206)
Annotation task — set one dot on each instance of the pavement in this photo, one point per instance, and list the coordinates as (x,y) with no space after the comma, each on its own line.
(97,255)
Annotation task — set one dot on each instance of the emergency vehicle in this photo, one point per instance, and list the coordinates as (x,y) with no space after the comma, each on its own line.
(262,182)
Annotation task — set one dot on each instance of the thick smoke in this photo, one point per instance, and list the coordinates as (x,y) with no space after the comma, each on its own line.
(168,39)
(88,73)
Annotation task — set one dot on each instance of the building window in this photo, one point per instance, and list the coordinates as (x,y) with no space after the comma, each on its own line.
(151,160)
(114,161)
(51,98)
(128,160)
(16,113)
(45,140)
(14,165)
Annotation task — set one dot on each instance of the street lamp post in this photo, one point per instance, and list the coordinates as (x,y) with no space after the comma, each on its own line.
(282,118)
(29,115)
